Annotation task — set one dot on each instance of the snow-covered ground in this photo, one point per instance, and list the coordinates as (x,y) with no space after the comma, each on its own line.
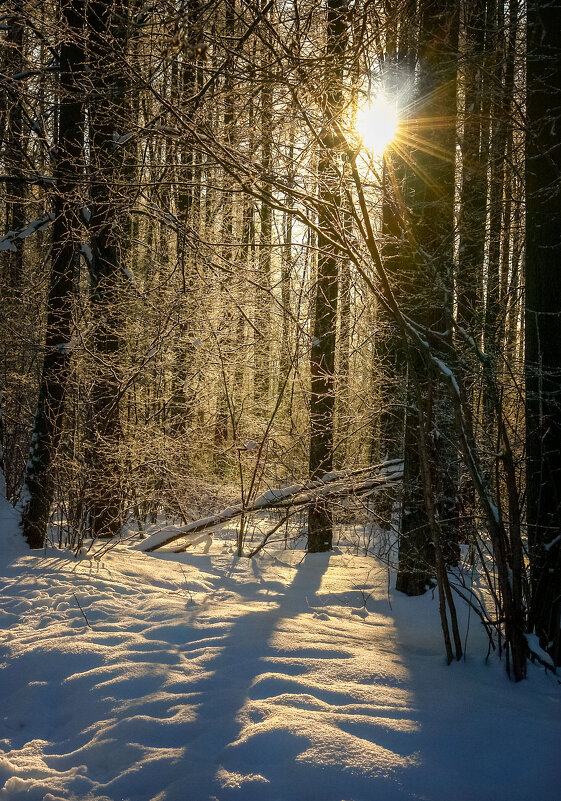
(286,678)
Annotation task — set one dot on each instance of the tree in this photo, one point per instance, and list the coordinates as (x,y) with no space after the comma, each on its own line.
(322,357)
(110,235)
(428,292)
(14,137)
(68,173)
(543,321)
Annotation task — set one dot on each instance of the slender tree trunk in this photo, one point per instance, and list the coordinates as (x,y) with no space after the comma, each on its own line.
(390,359)
(14,193)
(473,198)
(223,400)
(186,80)
(322,358)
(501,132)
(14,147)
(287,262)
(264,345)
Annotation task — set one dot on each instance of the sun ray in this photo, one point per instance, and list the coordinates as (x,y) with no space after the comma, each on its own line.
(410,139)
(415,166)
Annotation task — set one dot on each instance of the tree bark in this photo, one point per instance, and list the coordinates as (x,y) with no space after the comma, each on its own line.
(110,237)
(429,282)
(14,144)
(37,496)
(543,321)
(322,357)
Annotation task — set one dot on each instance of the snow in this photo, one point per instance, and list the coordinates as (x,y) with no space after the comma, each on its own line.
(554,541)
(7,242)
(535,648)
(121,139)
(86,252)
(202,676)
(36,225)
(65,348)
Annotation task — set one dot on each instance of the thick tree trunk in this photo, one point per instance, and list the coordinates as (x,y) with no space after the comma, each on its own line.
(110,239)
(37,496)
(543,321)
(429,282)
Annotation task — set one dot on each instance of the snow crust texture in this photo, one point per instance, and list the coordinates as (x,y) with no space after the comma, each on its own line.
(200,676)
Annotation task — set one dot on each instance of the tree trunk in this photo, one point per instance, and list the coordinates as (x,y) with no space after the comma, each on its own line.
(264,346)
(110,239)
(543,321)
(14,148)
(37,496)
(322,357)
(501,134)
(429,281)
(473,199)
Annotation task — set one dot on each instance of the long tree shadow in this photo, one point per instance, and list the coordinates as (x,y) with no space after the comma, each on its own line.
(240,662)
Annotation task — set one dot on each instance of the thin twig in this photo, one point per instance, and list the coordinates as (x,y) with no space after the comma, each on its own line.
(82,611)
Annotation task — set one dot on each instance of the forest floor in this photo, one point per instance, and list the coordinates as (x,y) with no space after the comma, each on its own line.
(285,678)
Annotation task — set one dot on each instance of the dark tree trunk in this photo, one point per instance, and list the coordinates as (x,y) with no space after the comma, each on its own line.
(543,320)
(13,198)
(38,491)
(429,283)
(473,199)
(14,145)
(390,361)
(110,238)
(322,358)
(501,132)
(287,263)
(224,400)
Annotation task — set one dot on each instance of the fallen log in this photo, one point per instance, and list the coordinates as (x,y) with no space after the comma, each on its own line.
(331,486)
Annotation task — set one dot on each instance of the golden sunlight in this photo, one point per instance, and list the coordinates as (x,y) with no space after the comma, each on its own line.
(377,124)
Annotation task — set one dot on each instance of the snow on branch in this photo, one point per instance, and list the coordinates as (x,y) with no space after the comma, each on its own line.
(331,486)
(8,241)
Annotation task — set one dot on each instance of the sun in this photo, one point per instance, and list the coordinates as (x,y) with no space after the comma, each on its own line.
(377,124)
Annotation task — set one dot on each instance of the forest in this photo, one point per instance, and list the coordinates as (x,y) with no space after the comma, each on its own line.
(280,280)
